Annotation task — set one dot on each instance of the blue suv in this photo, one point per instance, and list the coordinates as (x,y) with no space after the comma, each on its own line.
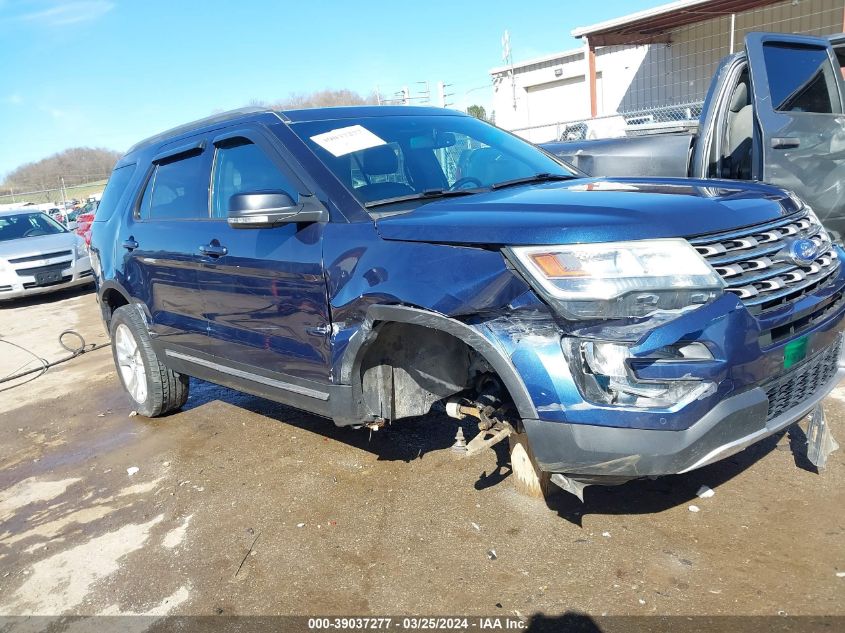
(369,263)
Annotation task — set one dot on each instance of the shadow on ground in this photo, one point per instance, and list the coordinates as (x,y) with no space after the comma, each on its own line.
(49,297)
(414,438)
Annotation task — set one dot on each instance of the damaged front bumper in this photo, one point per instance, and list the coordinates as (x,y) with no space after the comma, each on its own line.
(759,388)
(732,425)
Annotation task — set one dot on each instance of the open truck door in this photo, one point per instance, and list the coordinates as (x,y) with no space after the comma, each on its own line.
(799,125)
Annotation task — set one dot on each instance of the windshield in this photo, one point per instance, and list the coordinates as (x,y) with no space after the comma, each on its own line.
(401,157)
(20,225)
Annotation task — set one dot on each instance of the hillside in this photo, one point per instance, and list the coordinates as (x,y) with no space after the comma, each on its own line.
(76,166)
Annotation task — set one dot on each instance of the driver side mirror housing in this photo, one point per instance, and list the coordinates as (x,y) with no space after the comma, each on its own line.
(265,209)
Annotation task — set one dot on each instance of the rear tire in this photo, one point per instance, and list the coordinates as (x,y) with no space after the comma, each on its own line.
(154,389)
(527,476)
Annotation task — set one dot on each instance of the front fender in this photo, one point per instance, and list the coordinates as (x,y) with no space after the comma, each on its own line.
(470,335)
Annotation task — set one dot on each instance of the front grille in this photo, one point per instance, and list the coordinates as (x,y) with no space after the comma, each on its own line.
(31,272)
(748,262)
(35,258)
(802,381)
(5,288)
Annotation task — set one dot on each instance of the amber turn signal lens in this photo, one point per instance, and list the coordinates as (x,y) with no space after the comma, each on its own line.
(551,267)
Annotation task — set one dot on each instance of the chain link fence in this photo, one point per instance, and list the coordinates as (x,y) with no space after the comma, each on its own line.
(57,195)
(681,117)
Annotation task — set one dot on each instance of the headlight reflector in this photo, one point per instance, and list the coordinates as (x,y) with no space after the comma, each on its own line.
(603,376)
(619,279)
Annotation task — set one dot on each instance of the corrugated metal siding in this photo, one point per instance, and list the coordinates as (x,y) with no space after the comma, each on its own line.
(647,76)
(680,72)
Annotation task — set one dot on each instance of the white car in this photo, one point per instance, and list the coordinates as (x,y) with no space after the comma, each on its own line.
(38,255)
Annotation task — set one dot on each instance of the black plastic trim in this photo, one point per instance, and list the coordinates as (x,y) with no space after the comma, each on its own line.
(178,151)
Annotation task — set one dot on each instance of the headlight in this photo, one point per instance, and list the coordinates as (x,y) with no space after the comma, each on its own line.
(604,376)
(618,279)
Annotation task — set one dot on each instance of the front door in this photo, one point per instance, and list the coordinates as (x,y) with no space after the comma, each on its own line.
(264,289)
(798,107)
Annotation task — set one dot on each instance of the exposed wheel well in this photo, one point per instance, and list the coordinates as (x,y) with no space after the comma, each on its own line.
(408,367)
(110,301)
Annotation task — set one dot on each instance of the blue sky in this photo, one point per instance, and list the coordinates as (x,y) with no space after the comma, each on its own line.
(105,73)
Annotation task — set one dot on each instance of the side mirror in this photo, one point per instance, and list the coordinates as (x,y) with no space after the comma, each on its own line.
(264,209)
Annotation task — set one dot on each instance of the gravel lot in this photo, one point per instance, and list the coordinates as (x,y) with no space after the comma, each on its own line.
(243,506)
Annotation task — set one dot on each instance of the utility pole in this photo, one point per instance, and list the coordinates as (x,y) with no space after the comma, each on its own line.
(425,97)
(406,96)
(64,195)
(378,95)
(442,94)
(507,57)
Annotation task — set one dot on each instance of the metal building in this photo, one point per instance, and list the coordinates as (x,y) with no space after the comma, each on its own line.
(657,60)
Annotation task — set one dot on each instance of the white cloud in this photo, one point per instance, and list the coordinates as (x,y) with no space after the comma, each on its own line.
(13,99)
(56,113)
(65,13)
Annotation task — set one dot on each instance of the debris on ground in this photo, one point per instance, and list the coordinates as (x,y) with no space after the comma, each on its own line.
(606,534)
(248,552)
(820,442)
(694,509)
(840,574)
(491,554)
(705,492)
(132,470)
(299,525)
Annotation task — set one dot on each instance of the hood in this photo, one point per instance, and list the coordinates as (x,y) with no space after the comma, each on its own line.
(590,210)
(32,246)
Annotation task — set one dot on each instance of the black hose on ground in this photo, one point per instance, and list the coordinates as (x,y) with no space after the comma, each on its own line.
(75,351)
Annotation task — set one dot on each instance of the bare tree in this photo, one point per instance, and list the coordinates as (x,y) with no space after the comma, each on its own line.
(77,165)
(319,99)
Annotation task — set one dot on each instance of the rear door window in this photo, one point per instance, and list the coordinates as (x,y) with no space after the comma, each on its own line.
(801,78)
(177,190)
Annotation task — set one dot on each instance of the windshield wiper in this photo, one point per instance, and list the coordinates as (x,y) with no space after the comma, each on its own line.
(424,195)
(542,177)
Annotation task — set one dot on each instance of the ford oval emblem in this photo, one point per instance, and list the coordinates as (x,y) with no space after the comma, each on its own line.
(802,251)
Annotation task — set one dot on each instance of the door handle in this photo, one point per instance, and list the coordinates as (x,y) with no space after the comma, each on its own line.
(785,142)
(213,250)
(130,244)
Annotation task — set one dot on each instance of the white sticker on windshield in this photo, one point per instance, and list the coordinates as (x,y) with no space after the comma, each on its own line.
(346,140)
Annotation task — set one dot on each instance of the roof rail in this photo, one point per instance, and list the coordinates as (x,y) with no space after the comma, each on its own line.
(187,127)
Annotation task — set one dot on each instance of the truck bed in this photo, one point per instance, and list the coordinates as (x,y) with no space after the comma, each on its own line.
(650,155)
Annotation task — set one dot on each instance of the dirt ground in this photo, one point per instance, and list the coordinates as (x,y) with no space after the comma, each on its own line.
(243,506)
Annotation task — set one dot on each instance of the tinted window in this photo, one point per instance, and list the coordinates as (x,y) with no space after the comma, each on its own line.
(179,190)
(240,167)
(20,225)
(117,184)
(801,79)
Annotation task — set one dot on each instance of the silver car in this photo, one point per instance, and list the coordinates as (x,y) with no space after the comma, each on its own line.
(38,255)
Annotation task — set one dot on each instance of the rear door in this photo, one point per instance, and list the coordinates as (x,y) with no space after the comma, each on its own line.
(160,241)
(798,107)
